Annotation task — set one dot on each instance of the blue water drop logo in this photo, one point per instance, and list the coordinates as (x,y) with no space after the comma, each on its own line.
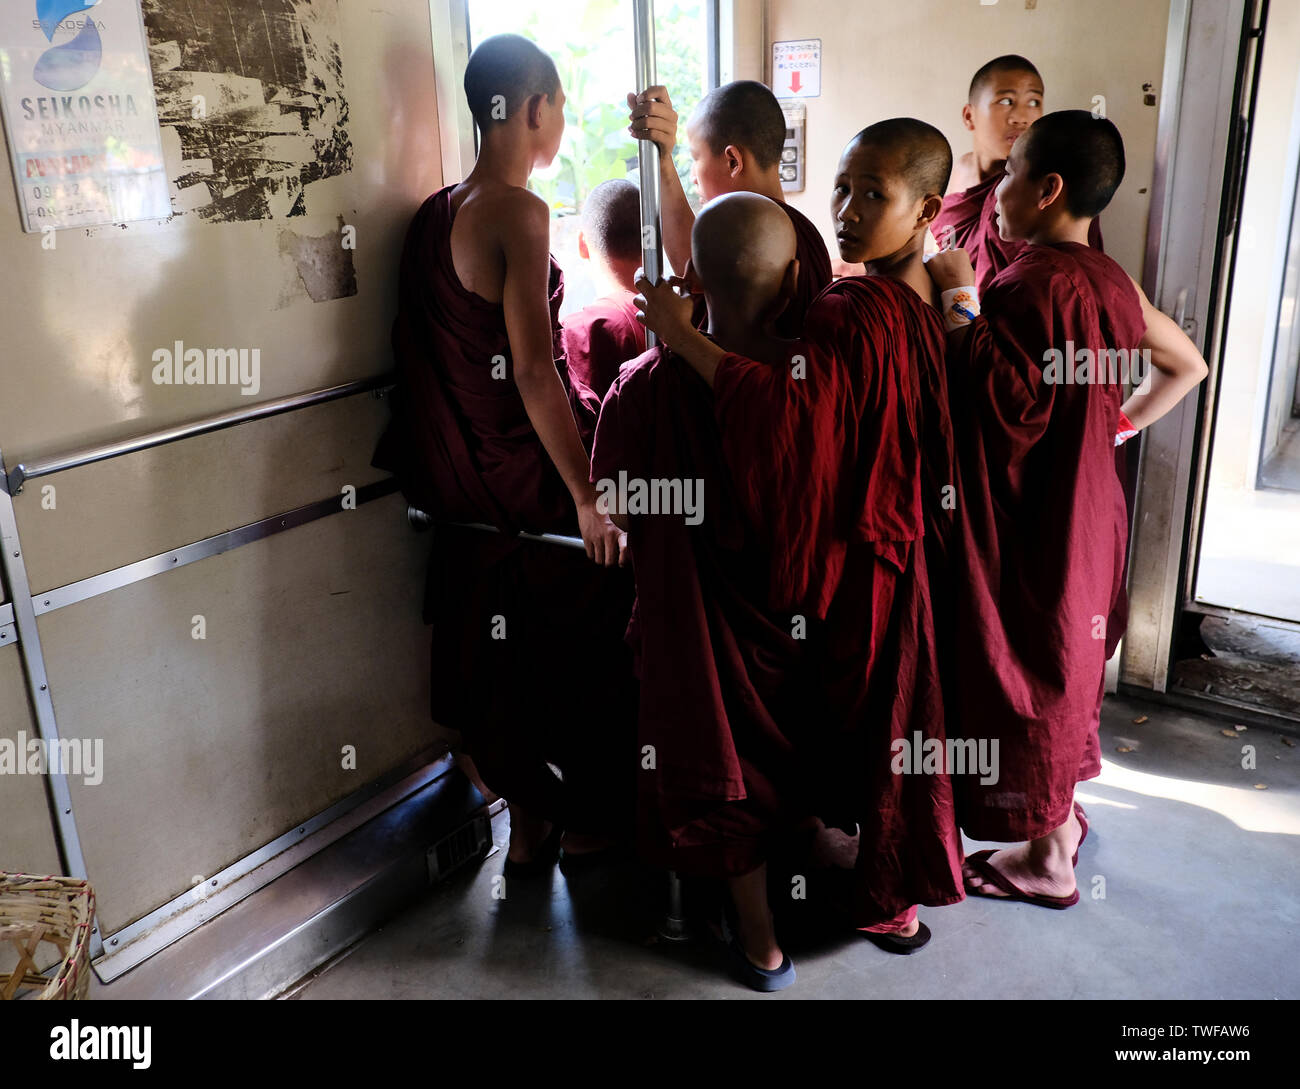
(74,64)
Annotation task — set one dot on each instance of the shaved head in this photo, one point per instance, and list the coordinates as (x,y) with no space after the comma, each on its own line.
(611,220)
(998,66)
(916,150)
(745,114)
(505,71)
(741,247)
(1086,151)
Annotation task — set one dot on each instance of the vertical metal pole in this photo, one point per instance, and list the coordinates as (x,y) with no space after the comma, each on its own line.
(13,569)
(643,35)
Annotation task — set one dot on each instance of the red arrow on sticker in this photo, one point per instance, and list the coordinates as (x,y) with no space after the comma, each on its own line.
(794,82)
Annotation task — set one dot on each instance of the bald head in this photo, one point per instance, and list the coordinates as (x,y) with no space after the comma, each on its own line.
(611,220)
(745,114)
(741,248)
(915,151)
(1007,64)
(504,72)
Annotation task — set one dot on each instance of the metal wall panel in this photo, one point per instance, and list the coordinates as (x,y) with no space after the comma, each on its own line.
(214,747)
(114,512)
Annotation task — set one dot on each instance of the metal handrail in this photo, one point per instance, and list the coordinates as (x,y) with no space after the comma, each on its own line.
(26,471)
(420,520)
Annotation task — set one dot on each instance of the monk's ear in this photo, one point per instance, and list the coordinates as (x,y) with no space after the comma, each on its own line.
(534,108)
(735,160)
(968,117)
(693,286)
(931,206)
(583,251)
(1051,189)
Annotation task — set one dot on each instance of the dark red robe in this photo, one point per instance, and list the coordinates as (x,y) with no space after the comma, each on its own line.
(725,689)
(972,215)
(528,660)
(815,527)
(880,661)
(814,273)
(1044,530)
(600,338)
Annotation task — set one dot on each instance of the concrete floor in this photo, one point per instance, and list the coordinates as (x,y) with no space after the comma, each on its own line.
(1190,883)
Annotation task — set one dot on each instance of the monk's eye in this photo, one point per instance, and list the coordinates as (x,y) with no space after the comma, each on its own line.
(1005,102)
(1037,103)
(872,194)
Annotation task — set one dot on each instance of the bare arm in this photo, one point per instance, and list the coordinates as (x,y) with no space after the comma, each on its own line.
(528,324)
(1176,368)
(652,117)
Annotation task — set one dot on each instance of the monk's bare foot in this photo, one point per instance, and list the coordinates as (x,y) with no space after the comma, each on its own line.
(578,843)
(527,834)
(1040,867)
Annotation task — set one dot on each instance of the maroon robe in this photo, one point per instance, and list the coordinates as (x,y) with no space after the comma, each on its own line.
(880,663)
(972,215)
(725,682)
(600,338)
(555,686)
(1044,529)
(814,273)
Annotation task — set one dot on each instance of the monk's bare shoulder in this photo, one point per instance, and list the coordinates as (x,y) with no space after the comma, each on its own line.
(501,210)
(964,174)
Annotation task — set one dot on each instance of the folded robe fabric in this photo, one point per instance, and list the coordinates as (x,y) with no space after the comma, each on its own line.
(527,659)
(1044,529)
(722,691)
(814,273)
(973,216)
(879,664)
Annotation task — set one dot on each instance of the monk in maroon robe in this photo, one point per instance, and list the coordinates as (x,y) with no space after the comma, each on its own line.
(727,681)
(735,137)
(605,334)
(1041,508)
(1005,98)
(527,661)
(883,404)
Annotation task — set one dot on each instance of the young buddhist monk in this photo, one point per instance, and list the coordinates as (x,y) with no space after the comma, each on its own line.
(1005,98)
(1041,506)
(484,433)
(881,341)
(725,692)
(600,337)
(735,137)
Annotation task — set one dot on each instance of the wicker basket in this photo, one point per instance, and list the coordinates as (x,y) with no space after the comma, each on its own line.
(46,909)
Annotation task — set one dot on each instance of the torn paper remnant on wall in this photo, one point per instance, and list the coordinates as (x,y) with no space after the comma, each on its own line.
(254,92)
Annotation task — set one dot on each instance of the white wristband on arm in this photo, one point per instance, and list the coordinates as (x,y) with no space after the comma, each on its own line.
(961,306)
